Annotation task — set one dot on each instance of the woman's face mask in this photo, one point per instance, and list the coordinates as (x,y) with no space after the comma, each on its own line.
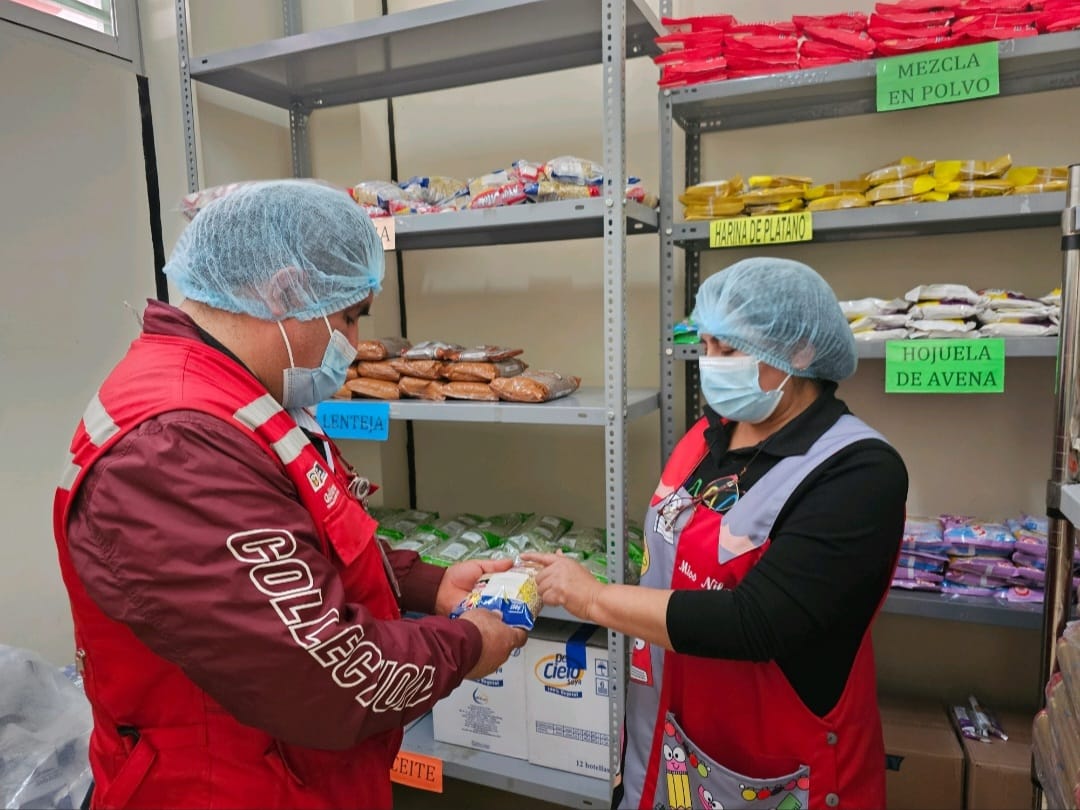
(307,387)
(731,387)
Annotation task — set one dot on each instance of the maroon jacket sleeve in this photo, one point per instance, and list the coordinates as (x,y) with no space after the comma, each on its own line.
(419,581)
(148,536)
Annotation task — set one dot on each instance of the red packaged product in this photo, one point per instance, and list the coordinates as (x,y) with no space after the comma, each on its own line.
(507,194)
(711,22)
(895,47)
(975,21)
(692,55)
(780,28)
(845,39)
(746,74)
(1056,5)
(919,5)
(681,75)
(1055,22)
(692,40)
(763,62)
(880,33)
(811,49)
(901,19)
(811,62)
(992,7)
(851,21)
(978,35)
(758,43)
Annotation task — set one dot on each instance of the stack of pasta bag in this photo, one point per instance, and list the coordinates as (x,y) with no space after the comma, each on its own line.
(393,368)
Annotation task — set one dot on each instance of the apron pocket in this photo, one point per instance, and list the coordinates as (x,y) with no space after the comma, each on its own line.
(693,779)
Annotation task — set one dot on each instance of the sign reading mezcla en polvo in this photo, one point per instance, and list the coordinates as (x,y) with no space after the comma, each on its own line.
(938,77)
(952,366)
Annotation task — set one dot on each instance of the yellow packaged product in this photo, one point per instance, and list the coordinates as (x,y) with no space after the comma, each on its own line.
(838,202)
(976,188)
(715,207)
(837,189)
(946,171)
(711,190)
(908,187)
(786,207)
(764,196)
(930,196)
(1031,175)
(901,169)
(778,180)
(1039,188)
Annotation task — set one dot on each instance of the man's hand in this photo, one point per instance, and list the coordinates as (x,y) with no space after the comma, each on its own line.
(459,581)
(500,639)
(564,582)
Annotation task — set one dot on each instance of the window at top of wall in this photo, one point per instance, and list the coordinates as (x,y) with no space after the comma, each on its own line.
(109,26)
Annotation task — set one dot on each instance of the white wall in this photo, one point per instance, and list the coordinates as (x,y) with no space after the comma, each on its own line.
(74,245)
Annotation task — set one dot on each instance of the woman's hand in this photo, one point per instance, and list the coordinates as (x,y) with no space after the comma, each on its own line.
(564,582)
(459,580)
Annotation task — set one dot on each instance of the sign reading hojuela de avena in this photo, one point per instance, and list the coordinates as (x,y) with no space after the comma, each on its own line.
(945,366)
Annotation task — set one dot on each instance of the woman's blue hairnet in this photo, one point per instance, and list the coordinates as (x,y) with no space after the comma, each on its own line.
(279,249)
(781,312)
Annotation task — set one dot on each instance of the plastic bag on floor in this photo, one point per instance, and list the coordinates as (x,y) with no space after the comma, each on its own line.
(45,726)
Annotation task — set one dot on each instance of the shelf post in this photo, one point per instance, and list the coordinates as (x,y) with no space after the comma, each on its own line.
(692,273)
(187,106)
(293,23)
(613,21)
(1065,462)
(667,280)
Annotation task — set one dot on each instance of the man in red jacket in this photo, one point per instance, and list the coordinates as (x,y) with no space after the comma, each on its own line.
(237,622)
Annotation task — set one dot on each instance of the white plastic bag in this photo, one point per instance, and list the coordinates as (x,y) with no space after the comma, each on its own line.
(45,724)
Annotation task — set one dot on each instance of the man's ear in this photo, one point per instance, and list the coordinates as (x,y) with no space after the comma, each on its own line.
(280,291)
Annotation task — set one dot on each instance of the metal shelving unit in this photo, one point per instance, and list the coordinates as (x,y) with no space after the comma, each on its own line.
(453,44)
(1035,64)
(1014,347)
(585,407)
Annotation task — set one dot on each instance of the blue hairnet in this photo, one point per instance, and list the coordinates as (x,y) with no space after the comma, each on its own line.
(781,312)
(279,249)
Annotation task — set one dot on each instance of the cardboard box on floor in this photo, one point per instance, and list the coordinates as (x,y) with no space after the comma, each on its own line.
(999,772)
(924,759)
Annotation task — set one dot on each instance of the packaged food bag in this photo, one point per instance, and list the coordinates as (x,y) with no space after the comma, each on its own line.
(512,593)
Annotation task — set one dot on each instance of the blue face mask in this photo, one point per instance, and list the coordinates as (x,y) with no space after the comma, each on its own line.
(307,387)
(732,389)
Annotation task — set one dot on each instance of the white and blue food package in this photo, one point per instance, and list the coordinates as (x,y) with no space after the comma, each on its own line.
(512,593)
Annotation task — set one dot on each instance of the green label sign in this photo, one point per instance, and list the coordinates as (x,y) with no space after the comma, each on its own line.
(937,77)
(773,229)
(945,366)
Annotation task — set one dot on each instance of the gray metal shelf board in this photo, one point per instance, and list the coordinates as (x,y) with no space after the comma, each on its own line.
(507,773)
(585,407)
(516,224)
(914,219)
(1070,503)
(956,608)
(1014,347)
(1029,65)
(450,44)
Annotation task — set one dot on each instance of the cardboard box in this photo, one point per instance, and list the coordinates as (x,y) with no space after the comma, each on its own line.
(999,772)
(567,707)
(488,713)
(924,760)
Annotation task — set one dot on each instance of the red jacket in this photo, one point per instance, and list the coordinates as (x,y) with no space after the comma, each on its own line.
(240,637)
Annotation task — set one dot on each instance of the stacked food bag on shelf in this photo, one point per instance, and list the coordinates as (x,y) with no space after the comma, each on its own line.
(1056,732)
(907,180)
(561,178)
(953,311)
(715,47)
(394,368)
(963,555)
(467,536)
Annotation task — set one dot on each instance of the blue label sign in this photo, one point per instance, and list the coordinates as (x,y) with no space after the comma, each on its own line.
(355,420)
